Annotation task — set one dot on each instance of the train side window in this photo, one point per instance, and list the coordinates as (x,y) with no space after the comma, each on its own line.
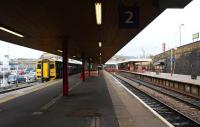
(39,66)
(51,66)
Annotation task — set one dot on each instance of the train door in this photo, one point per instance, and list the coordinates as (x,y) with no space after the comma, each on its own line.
(45,70)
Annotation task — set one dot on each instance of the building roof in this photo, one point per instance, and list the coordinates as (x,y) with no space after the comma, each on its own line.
(137,60)
(48,25)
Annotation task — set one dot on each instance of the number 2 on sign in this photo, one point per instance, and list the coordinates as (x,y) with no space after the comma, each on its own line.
(130,17)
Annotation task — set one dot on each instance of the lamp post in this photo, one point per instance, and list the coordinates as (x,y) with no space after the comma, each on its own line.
(3,74)
(172,59)
(180,32)
(171,62)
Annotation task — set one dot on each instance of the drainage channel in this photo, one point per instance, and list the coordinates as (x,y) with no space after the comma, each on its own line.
(172,116)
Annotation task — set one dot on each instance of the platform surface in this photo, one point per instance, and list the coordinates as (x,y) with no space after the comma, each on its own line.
(97,102)
(174,77)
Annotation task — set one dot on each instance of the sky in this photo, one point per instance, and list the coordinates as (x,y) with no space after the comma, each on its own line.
(166,29)
(16,51)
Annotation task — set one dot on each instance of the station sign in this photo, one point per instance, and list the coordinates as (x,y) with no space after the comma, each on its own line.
(195,36)
(128,17)
(171,59)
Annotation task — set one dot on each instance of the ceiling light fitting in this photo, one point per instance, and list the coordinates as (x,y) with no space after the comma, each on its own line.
(59,50)
(98,11)
(11,32)
(100,44)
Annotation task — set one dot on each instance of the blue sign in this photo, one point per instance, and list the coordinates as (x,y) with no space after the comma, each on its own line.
(171,59)
(128,17)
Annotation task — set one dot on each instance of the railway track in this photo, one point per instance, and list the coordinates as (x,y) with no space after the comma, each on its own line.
(14,87)
(175,117)
(194,102)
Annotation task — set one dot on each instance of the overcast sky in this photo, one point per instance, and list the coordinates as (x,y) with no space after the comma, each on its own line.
(164,29)
(15,51)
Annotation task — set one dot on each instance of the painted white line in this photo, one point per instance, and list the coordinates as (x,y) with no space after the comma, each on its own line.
(78,83)
(53,101)
(154,112)
(37,113)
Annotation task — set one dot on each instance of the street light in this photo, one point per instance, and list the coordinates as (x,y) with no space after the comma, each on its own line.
(180,32)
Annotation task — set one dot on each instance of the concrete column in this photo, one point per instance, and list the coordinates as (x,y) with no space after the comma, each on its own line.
(65,68)
(83,67)
(89,62)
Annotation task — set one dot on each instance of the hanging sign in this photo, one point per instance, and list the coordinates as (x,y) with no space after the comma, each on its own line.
(128,17)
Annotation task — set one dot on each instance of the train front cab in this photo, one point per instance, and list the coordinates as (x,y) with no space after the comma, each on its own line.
(52,69)
(39,70)
(55,69)
(42,70)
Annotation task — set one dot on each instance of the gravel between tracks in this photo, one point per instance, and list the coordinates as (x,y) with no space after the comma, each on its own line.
(188,111)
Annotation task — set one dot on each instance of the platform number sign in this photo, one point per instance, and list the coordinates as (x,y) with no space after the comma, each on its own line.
(128,17)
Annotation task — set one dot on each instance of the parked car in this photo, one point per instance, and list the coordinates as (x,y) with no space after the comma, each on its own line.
(28,70)
(21,72)
(31,77)
(14,72)
(16,79)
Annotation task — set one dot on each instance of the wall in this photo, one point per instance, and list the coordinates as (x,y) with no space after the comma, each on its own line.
(187,59)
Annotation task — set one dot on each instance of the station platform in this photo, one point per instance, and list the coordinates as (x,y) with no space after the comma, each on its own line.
(97,102)
(174,77)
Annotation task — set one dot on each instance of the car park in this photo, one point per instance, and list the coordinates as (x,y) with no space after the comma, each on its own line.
(21,72)
(28,70)
(16,79)
(31,77)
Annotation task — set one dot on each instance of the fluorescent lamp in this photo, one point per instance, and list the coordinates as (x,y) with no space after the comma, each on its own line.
(59,50)
(74,56)
(11,32)
(100,54)
(98,9)
(100,44)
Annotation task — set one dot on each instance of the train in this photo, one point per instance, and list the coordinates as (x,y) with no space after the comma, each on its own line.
(50,69)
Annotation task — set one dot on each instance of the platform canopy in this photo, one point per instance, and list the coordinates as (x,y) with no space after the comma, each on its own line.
(46,24)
